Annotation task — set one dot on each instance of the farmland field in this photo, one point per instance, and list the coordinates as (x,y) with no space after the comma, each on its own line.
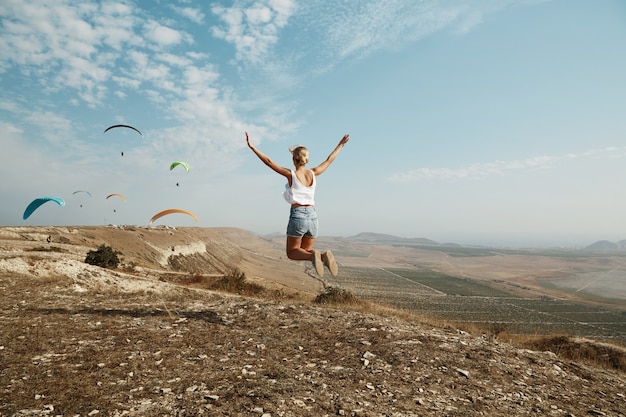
(463,300)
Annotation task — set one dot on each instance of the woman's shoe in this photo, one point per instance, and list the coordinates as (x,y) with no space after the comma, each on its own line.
(317,263)
(329,261)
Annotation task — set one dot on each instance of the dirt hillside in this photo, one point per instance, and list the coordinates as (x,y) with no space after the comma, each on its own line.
(151,339)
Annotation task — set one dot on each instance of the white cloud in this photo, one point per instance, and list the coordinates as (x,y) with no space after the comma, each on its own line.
(163,35)
(499,168)
(62,43)
(253,30)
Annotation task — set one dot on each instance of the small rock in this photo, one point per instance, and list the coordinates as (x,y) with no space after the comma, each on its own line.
(463,372)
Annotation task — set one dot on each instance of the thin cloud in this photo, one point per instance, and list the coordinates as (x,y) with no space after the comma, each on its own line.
(191,13)
(354,30)
(500,168)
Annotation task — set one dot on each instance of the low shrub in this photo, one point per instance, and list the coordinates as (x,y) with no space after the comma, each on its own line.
(234,281)
(104,257)
(334,295)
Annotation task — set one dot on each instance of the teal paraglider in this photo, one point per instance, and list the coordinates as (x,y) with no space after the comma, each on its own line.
(34,205)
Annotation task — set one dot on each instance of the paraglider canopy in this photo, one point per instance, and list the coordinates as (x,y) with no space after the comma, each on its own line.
(117,195)
(81,191)
(34,205)
(126,126)
(181,163)
(170,211)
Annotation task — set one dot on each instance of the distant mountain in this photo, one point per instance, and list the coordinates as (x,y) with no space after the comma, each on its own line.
(390,239)
(607,246)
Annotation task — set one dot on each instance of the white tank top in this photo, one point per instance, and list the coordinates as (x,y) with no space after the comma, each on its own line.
(299,193)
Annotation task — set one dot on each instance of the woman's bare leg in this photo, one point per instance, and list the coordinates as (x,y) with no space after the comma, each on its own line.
(300,248)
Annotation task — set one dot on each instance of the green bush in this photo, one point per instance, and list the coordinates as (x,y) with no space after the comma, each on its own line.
(104,257)
(334,295)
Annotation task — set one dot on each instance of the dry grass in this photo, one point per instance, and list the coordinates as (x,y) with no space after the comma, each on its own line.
(131,342)
(188,351)
(600,354)
(604,355)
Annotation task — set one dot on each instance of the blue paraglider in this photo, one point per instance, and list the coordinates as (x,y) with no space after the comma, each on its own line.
(34,205)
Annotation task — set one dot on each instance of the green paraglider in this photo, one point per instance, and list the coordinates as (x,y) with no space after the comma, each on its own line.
(181,163)
(34,205)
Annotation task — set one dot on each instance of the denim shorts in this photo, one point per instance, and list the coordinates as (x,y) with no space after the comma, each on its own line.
(302,222)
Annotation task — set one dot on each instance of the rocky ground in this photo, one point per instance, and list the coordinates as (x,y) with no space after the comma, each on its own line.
(80,340)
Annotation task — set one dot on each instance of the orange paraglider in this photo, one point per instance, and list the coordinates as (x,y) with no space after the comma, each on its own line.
(170,211)
(117,195)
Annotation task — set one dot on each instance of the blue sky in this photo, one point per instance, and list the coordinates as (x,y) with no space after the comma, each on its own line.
(476,122)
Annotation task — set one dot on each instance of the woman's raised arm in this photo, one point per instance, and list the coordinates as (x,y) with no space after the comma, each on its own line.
(285,172)
(318,170)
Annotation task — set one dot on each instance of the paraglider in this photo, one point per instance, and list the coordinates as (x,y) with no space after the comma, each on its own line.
(170,211)
(34,205)
(81,191)
(181,163)
(126,126)
(117,195)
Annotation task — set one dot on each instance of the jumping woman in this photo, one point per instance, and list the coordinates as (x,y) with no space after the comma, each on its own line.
(300,193)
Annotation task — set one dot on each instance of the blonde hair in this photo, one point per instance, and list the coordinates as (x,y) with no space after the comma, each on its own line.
(300,155)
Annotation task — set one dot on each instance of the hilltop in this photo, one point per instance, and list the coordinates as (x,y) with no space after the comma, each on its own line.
(605,245)
(155,337)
